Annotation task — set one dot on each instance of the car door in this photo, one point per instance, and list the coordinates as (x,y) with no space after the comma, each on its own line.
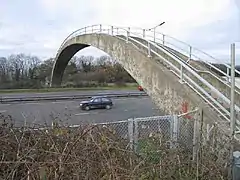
(105,101)
(96,103)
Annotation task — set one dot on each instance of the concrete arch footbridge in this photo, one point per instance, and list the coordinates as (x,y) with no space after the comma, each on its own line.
(171,71)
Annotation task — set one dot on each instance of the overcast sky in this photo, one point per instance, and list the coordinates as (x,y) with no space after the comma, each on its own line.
(38,27)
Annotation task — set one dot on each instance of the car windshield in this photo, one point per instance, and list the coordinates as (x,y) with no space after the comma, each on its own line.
(92,99)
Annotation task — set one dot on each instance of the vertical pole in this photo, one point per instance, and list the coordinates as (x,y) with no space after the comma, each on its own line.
(196,136)
(135,136)
(144,32)
(232,109)
(181,74)
(154,34)
(127,35)
(228,74)
(149,49)
(174,131)
(232,113)
(163,39)
(130,133)
(100,28)
(85,29)
(92,29)
(112,30)
(190,53)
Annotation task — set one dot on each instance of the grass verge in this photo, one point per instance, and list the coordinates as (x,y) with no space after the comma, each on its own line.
(43,90)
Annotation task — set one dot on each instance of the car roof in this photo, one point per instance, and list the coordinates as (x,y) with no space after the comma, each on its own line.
(100,97)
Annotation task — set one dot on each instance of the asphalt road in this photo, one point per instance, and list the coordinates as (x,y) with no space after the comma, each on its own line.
(66,93)
(68,112)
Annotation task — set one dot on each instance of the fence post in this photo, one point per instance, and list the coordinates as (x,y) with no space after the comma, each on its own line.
(236,165)
(196,135)
(135,135)
(144,31)
(100,28)
(130,132)
(174,131)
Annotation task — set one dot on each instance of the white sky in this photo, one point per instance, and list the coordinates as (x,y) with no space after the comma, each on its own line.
(38,27)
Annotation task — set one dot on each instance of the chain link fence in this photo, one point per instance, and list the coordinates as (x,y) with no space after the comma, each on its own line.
(167,147)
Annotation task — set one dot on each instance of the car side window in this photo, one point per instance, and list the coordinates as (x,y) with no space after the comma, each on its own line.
(105,100)
(97,100)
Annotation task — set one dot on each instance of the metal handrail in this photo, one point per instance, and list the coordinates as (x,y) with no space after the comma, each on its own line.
(210,73)
(188,45)
(128,33)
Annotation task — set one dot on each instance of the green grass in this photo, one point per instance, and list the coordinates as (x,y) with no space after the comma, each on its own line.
(43,90)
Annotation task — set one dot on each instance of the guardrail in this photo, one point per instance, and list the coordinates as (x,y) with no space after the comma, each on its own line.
(70,97)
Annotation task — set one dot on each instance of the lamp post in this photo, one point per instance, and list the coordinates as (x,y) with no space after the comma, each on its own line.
(154,30)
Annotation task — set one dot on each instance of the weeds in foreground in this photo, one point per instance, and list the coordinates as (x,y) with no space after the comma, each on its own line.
(96,152)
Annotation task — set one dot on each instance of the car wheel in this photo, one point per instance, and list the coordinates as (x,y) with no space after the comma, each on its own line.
(87,108)
(108,107)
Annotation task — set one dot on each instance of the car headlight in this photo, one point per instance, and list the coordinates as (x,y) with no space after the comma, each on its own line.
(80,104)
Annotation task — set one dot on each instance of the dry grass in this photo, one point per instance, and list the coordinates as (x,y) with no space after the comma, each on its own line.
(96,152)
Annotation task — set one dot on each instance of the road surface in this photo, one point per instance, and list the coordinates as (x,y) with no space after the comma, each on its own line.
(68,112)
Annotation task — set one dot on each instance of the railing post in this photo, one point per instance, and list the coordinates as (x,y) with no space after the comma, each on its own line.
(144,31)
(92,29)
(149,50)
(127,35)
(190,53)
(130,132)
(228,76)
(154,34)
(181,74)
(112,30)
(163,39)
(100,28)
(85,29)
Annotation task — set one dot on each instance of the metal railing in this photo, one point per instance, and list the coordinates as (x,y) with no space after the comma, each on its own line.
(153,42)
(69,97)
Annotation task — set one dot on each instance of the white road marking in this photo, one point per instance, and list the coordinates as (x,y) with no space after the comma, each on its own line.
(60,102)
(33,103)
(5,104)
(81,114)
(3,111)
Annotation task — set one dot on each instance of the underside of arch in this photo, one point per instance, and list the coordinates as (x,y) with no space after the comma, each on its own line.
(62,61)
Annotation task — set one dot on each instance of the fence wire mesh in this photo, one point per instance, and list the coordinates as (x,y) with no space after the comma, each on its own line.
(166,147)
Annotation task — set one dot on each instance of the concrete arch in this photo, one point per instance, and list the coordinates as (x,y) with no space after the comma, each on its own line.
(161,85)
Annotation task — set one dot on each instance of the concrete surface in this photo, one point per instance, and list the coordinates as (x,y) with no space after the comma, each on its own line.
(152,73)
(66,93)
(70,113)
